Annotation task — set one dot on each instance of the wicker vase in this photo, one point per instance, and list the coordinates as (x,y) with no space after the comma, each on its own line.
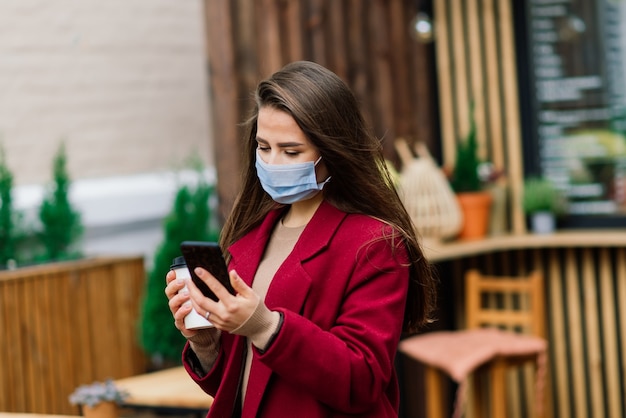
(101,410)
(427,195)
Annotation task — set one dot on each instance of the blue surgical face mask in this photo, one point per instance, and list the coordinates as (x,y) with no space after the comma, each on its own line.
(289,183)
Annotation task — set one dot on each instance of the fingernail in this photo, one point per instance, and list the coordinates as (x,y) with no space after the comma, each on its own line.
(198,271)
(187,304)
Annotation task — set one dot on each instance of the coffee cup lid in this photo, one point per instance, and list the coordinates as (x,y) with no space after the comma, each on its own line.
(178,262)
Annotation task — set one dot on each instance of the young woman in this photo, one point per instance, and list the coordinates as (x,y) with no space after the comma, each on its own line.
(324,259)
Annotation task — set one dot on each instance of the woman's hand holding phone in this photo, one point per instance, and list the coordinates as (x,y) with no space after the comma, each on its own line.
(207,255)
(228,299)
(230,311)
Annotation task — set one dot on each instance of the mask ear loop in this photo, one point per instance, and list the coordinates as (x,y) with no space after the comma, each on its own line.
(321,184)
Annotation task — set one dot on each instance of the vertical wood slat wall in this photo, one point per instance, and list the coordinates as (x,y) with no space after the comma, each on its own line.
(366,42)
(476,65)
(586,315)
(67,324)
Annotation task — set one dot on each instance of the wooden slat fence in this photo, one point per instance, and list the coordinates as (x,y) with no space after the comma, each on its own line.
(586,319)
(67,324)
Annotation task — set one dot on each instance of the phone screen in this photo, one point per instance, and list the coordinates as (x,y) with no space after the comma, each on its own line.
(207,255)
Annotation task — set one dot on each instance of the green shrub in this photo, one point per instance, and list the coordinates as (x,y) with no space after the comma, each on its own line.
(61,225)
(191,218)
(465,177)
(8,216)
(540,195)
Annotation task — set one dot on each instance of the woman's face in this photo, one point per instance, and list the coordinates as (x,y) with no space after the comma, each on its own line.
(281,141)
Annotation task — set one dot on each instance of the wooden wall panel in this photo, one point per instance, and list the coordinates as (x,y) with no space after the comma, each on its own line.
(476,66)
(366,42)
(223,81)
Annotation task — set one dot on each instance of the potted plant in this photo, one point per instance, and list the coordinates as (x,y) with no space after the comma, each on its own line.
(99,399)
(542,202)
(474,200)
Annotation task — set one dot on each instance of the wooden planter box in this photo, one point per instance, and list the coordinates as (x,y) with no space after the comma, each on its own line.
(67,324)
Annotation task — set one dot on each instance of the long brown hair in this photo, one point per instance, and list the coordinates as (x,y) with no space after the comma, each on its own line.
(328,114)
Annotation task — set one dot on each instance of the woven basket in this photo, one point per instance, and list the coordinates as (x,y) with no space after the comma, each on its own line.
(427,194)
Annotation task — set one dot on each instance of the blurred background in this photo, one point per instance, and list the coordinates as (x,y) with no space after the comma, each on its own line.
(127,88)
(146,97)
(124,86)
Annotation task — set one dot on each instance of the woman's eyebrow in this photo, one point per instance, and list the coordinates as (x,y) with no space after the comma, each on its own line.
(280,144)
(290,144)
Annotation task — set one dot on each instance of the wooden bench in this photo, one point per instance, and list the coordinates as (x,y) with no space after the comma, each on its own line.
(169,389)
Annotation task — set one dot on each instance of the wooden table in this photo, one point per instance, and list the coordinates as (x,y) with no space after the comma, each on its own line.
(165,389)
(436,251)
(25,415)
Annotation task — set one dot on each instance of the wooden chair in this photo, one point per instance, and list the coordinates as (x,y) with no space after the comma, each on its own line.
(507,333)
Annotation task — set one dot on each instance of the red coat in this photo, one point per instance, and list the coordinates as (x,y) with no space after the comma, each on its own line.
(342,293)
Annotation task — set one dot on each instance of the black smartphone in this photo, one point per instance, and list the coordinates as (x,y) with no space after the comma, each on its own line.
(207,255)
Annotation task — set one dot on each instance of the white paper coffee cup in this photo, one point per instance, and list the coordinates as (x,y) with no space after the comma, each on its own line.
(193,320)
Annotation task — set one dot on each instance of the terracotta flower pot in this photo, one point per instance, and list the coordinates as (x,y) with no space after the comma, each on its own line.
(476,208)
(101,410)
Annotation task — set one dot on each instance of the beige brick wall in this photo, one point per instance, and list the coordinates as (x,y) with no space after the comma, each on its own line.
(122,82)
